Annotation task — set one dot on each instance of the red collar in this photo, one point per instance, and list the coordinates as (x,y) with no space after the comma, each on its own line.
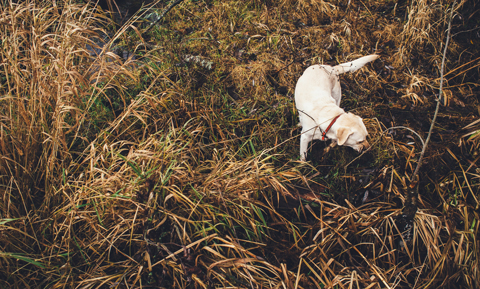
(324,134)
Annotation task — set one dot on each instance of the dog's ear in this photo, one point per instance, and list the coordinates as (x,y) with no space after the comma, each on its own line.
(342,134)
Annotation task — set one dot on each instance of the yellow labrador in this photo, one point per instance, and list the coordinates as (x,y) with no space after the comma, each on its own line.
(317,98)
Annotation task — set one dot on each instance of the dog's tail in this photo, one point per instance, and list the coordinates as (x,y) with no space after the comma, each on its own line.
(355,65)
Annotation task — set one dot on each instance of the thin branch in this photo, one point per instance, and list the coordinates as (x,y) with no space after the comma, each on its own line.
(419,164)
(469,30)
(405,222)
(382,133)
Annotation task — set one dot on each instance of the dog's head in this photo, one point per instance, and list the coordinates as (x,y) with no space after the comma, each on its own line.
(352,132)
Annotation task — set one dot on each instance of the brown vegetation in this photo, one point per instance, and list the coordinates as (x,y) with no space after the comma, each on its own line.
(169,159)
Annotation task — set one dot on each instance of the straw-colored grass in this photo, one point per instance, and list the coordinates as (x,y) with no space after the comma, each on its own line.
(169,159)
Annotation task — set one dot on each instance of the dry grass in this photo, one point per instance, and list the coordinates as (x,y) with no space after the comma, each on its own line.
(178,168)
(426,21)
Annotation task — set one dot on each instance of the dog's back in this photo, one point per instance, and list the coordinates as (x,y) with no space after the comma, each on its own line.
(316,78)
(326,78)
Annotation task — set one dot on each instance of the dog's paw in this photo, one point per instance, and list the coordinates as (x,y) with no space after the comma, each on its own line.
(303,157)
(332,145)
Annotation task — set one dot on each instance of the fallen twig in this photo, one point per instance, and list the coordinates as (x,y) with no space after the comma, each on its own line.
(383,132)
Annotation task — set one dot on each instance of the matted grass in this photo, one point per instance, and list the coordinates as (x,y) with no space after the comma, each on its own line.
(169,159)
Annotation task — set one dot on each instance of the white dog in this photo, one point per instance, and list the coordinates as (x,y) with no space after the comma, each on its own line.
(317,98)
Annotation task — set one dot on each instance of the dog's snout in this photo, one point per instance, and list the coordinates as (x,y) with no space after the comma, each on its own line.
(365,145)
(362,146)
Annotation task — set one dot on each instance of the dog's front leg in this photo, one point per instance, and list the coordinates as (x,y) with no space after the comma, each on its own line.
(304,140)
